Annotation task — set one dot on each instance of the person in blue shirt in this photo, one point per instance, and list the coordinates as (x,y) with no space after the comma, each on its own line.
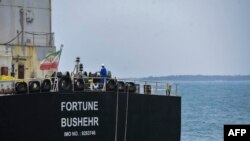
(103,74)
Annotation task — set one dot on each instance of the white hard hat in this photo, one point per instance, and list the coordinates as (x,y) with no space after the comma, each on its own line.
(103,65)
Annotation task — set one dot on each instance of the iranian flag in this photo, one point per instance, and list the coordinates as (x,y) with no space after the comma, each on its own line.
(51,61)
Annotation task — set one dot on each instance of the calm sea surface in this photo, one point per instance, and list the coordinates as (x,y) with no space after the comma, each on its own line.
(208,105)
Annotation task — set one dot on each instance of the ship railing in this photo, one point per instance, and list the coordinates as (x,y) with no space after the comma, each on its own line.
(159,87)
(9,87)
(155,87)
(37,38)
(95,84)
(80,84)
(140,86)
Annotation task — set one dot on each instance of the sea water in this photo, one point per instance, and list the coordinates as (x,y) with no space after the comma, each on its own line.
(208,105)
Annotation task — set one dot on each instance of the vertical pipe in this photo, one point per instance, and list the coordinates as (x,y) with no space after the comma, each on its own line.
(21,14)
(50,17)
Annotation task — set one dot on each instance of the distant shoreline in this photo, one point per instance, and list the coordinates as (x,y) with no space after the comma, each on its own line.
(199,78)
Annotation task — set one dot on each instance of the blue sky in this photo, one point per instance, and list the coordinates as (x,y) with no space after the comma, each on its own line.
(137,38)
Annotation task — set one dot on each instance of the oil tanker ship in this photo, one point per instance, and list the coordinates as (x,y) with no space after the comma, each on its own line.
(38,104)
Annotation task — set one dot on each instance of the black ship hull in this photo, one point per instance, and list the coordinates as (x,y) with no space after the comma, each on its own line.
(90,116)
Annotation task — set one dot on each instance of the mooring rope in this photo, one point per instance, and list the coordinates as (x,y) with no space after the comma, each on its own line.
(126,121)
(117,104)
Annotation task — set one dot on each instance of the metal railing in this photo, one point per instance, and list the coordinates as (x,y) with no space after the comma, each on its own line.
(156,87)
(94,84)
(32,38)
(38,39)
(9,86)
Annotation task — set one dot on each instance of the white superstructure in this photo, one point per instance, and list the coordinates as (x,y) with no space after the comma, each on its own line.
(25,37)
(32,17)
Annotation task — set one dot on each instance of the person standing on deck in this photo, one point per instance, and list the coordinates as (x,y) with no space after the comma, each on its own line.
(103,74)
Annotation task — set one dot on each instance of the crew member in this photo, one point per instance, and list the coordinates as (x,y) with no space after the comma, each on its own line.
(103,74)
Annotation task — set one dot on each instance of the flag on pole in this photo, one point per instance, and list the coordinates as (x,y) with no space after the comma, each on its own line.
(51,61)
